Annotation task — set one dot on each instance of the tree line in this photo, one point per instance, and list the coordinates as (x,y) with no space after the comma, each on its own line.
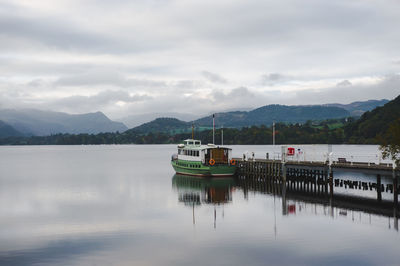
(284,134)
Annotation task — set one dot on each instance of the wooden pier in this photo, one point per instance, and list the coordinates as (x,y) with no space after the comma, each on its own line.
(316,178)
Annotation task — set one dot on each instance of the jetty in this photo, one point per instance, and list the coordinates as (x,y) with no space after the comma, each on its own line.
(317,177)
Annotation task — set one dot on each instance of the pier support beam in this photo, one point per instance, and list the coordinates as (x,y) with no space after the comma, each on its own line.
(284,173)
(379,187)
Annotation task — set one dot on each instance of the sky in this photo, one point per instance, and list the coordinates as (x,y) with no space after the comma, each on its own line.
(197,57)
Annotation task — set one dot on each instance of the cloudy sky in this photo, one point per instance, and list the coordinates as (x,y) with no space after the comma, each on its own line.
(127,57)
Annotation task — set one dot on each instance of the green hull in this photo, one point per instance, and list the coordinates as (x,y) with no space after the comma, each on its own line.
(198,169)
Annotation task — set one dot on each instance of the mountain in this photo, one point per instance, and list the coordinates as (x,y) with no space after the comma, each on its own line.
(8,131)
(261,116)
(374,124)
(137,120)
(358,108)
(165,124)
(266,115)
(40,123)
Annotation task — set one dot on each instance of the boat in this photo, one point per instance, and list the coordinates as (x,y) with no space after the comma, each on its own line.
(196,159)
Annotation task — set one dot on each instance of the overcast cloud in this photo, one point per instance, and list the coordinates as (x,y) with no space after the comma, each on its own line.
(132,57)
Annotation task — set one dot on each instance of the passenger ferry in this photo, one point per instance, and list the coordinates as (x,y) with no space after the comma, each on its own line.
(203,160)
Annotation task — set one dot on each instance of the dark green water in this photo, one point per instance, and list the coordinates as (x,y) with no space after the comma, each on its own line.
(122,205)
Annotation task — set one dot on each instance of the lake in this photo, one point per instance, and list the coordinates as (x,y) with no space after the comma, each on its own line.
(123,205)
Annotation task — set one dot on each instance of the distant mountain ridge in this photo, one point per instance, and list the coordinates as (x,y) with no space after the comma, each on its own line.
(261,116)
(40,123)
(35,122)
(8,131)
(266,115)
(358,108)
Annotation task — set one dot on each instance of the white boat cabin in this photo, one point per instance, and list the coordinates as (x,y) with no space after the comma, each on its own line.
(192,150)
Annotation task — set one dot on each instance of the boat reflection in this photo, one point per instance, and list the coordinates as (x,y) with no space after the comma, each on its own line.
(194,191)
(200,190)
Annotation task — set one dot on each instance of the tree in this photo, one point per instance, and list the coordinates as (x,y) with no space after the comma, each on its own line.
(391,143)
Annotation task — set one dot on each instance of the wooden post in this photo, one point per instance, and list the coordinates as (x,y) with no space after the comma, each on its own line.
(331,181)
(283,173)
(378,187)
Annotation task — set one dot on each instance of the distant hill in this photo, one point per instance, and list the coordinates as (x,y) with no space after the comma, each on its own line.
(137,120)
(358,108)
(8,131)
(279,113)
(374,123)
(40,123)
(264,115)
(261,116)
(166,125)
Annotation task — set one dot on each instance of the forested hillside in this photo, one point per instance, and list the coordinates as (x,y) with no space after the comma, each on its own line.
(165,125)
(374,124)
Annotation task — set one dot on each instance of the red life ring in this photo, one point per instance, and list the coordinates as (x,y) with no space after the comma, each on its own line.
(212,161)
(233,162)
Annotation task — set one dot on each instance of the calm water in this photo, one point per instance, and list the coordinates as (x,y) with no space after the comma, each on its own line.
(122,205)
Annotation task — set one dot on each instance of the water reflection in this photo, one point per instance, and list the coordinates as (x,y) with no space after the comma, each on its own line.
(195,191)
(110,205)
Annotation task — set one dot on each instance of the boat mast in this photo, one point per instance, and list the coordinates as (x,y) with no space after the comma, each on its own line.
(213,128)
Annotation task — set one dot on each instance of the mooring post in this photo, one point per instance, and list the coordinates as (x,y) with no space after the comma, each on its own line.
(379,187)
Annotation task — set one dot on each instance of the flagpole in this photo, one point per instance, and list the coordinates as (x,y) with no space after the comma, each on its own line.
(222,136)
(273,133)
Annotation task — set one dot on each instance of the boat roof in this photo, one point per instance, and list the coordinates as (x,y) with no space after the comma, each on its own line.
(194,144)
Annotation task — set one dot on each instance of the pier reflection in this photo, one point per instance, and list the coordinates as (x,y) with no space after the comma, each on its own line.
(295,195)
(296,199)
